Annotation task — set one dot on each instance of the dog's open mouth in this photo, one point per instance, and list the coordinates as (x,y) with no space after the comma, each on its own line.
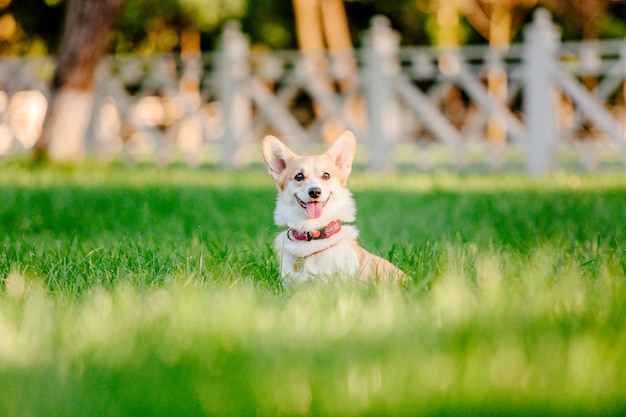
(313,208)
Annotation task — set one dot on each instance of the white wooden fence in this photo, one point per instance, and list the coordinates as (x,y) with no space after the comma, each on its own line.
(538,104)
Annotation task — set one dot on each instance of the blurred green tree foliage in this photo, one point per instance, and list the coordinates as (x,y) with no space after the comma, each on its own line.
(33,27)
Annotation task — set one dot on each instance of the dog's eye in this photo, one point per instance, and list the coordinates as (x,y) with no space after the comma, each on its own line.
(325,176)
(299,176)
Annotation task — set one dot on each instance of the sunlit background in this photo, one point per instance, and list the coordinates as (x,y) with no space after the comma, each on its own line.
(162,88)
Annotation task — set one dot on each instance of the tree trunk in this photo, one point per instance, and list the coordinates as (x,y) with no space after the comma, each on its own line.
(497,21)
(322,25)
(87,25)
(309,26)
(339,42)
(335,23)
(497,81)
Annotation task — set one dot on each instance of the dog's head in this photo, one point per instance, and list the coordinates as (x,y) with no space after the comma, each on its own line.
(311,189)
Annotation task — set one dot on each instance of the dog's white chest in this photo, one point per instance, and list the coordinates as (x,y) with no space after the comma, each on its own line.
(335,258)
(340,261)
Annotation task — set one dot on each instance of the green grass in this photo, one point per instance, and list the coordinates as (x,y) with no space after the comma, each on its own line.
(136,291)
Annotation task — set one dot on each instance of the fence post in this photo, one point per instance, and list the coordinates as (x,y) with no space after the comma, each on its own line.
(541,42)
(233,77)
(381,46)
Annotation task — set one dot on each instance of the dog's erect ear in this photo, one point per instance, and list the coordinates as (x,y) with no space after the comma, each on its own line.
(342,152)
(276,155)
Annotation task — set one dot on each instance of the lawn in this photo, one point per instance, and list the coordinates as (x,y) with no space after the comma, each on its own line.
(140,291)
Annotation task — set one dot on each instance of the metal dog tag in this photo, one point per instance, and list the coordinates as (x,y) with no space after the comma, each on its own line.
(298,264)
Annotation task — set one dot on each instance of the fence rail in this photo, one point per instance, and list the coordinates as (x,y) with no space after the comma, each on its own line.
(541,103)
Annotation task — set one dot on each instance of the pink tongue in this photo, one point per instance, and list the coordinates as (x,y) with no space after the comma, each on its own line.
(314,210)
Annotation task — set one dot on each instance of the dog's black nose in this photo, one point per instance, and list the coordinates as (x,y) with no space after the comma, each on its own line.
(315,192)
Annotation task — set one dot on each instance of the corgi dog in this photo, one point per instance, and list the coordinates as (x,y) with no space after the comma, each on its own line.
(315,206)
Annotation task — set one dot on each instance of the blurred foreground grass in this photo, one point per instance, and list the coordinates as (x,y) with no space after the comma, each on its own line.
(138,291)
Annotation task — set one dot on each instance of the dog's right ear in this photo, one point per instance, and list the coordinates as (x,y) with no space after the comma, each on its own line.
(276,155)
(342,152)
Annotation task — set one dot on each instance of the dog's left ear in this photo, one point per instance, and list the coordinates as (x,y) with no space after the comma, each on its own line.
(342,152)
